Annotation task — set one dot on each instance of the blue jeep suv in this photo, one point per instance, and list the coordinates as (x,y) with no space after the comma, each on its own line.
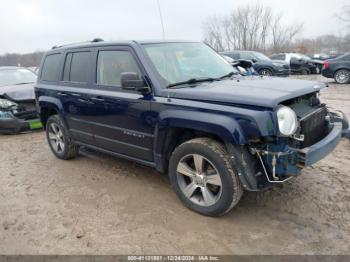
(181,108)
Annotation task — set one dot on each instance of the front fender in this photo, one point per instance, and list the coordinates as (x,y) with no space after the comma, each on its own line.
(225,127)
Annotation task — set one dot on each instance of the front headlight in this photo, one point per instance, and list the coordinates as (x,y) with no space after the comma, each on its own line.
(287,120)
(5,104)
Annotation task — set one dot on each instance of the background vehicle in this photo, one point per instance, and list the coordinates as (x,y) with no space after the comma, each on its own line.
(243,67)
(299,64)
(262,64)
(338,68)
(17,100)
(192,117)
(34,69)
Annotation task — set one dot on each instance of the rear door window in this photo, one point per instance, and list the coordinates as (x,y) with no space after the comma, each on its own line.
(51,68)
(76,67)
(110,65)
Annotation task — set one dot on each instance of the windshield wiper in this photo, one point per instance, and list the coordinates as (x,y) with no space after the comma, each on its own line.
(25,83)
(192,81)
(227,75)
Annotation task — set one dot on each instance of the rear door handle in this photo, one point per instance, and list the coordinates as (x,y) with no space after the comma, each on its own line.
(61,94)
(76,95)
(97,99)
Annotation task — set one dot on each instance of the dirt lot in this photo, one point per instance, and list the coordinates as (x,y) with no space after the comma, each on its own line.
(97,204)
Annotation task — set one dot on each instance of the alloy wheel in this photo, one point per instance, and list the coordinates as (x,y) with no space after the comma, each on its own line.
(265,72)
(56,138)
(342,76)
(199,180)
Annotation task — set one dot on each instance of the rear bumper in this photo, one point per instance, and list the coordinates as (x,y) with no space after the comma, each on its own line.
(310,155)
(12,125)
(327,73)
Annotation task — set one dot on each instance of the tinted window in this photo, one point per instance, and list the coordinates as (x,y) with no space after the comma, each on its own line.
(346,57)
(246,56)
(111,64)
(76,67)
(50,70)
(278,57)
(236,56)
(67,64)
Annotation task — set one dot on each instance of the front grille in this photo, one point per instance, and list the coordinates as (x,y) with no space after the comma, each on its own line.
(314,126)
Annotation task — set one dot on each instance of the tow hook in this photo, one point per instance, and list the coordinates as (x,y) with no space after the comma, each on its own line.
(274,162)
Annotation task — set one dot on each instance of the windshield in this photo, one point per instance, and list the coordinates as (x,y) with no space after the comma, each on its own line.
(16,76)
(178,62)
(261,56)
(305,57)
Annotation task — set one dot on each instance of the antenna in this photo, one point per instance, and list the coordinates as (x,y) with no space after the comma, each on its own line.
(161,19)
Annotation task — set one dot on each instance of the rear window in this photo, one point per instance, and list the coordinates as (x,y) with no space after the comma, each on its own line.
(76,67)
(278,57)
(50,70)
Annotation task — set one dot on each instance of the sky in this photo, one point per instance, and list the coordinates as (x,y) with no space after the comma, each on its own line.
(37,25)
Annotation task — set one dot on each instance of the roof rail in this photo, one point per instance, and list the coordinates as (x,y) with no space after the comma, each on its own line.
(95,40)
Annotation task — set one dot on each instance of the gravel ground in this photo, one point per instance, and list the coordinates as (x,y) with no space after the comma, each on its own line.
(96,204)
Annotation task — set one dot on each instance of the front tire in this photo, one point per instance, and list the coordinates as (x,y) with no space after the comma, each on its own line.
(342,76)
(203,177)
(59,139)
(305,72)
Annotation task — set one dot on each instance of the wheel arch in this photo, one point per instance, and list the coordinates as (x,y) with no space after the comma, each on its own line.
(49,106)
(176,128)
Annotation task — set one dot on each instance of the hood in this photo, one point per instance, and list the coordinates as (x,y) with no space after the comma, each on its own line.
(18,92)
(266,92)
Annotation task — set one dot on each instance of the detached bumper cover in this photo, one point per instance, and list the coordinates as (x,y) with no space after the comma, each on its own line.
(16,125)
(310,155)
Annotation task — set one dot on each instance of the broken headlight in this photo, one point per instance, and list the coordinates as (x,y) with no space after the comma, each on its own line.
(287,120)
(6,104)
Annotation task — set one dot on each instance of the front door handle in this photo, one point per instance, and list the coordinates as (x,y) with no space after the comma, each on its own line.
(97,99)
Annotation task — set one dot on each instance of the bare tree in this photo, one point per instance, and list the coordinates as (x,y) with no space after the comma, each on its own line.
(213,33)
(250,27)
(283,35)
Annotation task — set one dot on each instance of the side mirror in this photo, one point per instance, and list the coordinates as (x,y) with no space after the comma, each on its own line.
(132,81)
(254,60)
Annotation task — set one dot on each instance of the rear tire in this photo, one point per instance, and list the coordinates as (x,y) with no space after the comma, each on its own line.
(265,72)
(203,177)
(342,76)
(59,139)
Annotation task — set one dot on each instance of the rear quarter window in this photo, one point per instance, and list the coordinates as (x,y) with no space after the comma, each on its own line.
(51,68)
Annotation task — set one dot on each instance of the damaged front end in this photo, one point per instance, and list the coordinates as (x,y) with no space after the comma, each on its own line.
(277,159)
(18,116)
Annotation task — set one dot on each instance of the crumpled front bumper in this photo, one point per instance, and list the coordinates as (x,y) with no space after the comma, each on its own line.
(13,125)
(312,154)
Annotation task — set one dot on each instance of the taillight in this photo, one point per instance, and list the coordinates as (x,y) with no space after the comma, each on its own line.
(326,64)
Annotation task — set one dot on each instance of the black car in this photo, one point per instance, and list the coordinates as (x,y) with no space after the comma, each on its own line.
(17,100)
(338,68)
(299,64)
(262,64)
